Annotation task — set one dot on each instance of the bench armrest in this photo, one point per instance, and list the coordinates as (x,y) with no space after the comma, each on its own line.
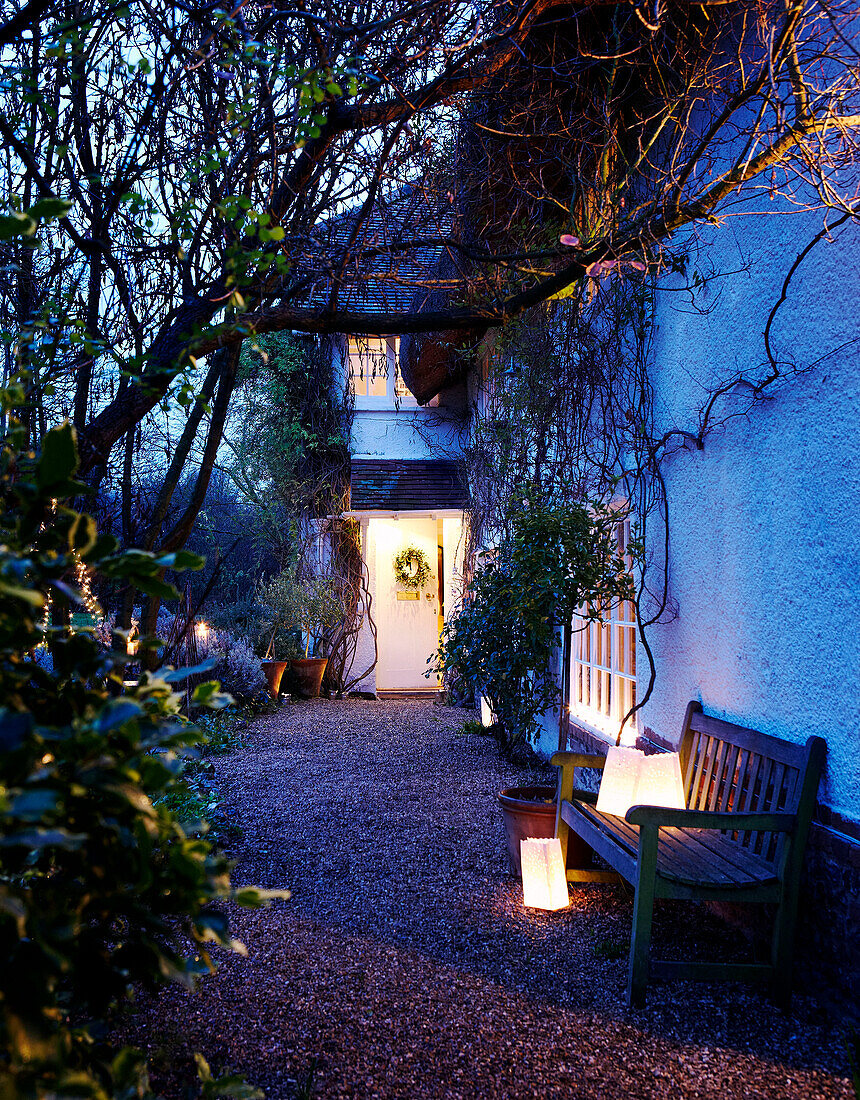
(663,816)
(567,763)
(577,760)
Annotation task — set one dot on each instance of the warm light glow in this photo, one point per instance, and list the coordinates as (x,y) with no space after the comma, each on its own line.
(487,716)
(82,576)
(630,778)
(544,878)
(202,631)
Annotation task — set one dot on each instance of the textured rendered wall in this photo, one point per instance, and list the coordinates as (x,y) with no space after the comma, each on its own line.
(414,433)
(763,554)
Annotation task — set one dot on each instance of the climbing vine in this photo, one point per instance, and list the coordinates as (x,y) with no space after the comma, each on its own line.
(567,412)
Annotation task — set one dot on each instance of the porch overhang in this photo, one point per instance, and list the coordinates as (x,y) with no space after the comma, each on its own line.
(383,513)
(386,486)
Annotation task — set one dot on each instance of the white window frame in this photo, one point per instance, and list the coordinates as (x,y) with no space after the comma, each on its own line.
(603,684)
(396,394)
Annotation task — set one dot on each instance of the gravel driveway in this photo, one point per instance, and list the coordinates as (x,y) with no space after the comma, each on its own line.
(405,965)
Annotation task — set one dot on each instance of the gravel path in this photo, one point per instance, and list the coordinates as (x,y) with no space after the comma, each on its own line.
(405,965)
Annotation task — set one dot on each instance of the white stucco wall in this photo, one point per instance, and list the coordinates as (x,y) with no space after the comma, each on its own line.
(408,433)
(763,553)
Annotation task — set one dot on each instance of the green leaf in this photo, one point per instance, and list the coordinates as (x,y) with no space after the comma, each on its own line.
(210,695)
(152,586)
(180,561)
(50,207)
(16,225)
(117,713)
(83,533)
(26,595)
(58,461)
(43,838)
(177,675)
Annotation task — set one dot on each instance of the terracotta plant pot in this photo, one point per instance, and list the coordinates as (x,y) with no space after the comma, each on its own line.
(526,813)
(273,671)
(309,672)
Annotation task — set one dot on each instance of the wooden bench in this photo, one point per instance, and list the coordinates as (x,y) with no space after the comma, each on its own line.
(750,799)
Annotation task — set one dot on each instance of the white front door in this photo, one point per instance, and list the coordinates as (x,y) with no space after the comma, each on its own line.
(407,627)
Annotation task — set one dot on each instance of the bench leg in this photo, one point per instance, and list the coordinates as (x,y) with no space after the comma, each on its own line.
(782,948)
(643,909)
(564,793)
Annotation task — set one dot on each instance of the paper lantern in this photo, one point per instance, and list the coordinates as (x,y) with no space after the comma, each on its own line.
(544,878)
(630,778)
(487,716)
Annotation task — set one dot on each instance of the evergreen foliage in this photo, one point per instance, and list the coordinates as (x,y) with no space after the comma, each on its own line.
(555,559)
(101,887)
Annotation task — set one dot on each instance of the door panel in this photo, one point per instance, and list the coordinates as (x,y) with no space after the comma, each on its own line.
(407,629)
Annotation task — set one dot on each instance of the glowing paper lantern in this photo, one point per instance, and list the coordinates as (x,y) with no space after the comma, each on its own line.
(487,716)
(630,778)
(544,878)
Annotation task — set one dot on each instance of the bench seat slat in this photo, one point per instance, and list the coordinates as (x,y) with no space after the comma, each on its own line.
(681,854)
(745,863)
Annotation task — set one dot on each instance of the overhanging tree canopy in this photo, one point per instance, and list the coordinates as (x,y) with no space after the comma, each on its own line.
(208,156)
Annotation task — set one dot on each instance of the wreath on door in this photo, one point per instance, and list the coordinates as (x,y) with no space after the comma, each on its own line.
(411,567)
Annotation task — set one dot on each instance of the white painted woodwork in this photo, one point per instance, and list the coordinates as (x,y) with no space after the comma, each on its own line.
(407,630)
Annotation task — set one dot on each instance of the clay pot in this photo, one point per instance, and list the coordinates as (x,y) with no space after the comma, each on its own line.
(526,817)
(273,671)
(308,673)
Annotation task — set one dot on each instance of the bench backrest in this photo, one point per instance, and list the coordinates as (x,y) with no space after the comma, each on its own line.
(730,768)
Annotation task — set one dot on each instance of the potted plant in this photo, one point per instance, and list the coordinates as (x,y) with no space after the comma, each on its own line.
(555,558)
(306,607)
(526,812)
(276,632)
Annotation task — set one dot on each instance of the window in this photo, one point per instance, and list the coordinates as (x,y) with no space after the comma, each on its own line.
(368,366)
(374,371)
(603,660)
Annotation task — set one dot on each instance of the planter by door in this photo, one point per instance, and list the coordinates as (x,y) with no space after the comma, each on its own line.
(526,813)
(273,671)
(309,672)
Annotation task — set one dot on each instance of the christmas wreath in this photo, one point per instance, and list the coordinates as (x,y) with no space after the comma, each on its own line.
(411,567)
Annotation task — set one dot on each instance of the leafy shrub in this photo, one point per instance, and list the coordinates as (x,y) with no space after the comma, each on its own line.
(193,800)
(299,606)
(236,665)
(240,618)
(100,884)
(501,642)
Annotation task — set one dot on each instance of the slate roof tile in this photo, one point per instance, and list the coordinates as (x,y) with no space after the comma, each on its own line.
(405,485)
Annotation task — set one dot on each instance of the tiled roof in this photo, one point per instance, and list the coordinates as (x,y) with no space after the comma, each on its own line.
(401,485)
(394,259)
(388,263)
